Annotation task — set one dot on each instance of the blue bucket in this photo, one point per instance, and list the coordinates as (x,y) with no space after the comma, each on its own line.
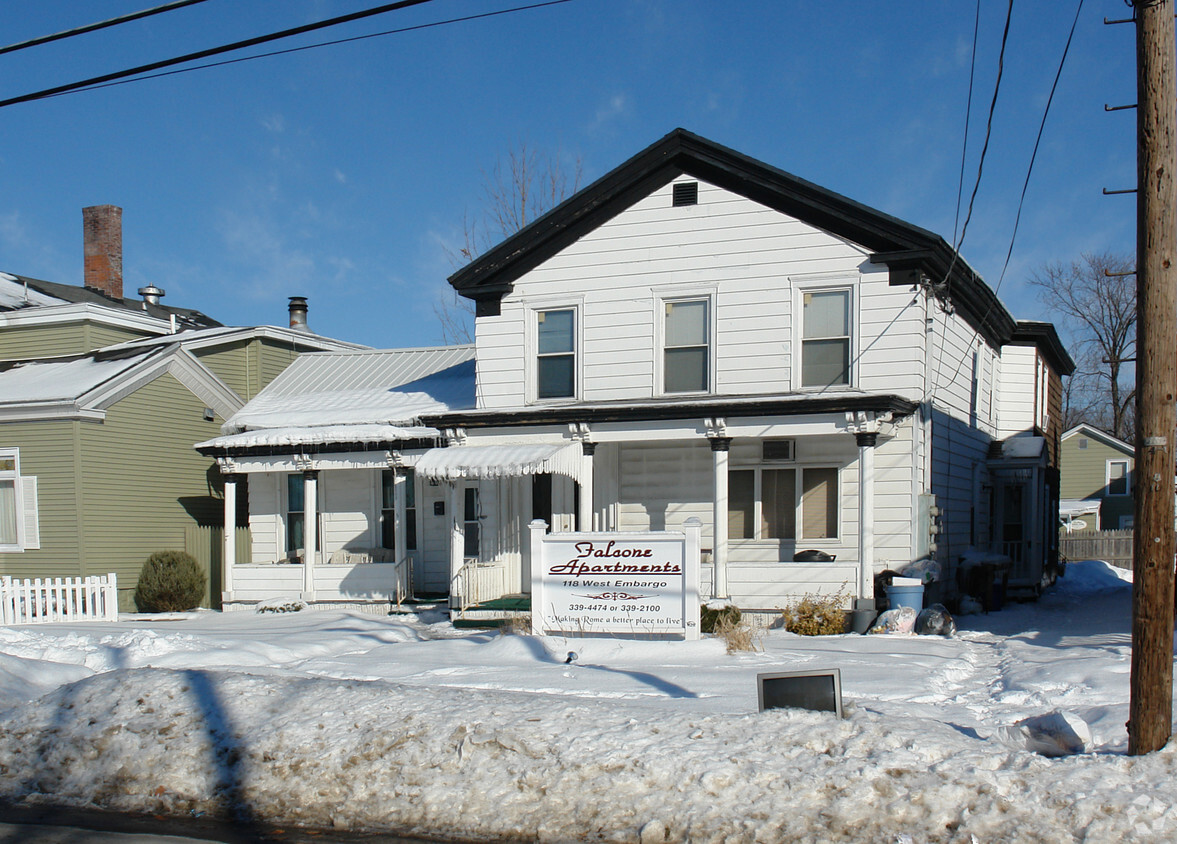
(906,596)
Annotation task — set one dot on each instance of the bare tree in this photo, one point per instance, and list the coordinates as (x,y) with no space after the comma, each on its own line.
(1097,305)
(525,184)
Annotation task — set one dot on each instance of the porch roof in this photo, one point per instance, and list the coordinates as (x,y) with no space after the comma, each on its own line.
(501,461)
(314,436)
(677,407)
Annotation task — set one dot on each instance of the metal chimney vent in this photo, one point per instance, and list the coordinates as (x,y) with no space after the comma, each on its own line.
(151,294)
(298,313)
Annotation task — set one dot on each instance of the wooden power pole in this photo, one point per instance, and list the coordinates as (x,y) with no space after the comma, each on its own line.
(1151,706)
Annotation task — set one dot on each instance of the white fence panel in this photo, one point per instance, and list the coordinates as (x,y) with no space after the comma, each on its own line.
(58,599)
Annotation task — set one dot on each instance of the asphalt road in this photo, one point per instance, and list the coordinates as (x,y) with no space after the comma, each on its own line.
(65,825)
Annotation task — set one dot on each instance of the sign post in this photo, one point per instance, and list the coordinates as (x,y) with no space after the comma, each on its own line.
(616,583)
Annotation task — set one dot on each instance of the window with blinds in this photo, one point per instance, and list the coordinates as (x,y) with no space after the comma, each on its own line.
(770,503)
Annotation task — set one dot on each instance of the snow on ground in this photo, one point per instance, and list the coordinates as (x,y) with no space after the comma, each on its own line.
(406,725)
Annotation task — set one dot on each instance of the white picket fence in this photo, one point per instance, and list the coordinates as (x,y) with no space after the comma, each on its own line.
(59,599)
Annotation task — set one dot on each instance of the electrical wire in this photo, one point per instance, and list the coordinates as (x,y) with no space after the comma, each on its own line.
(1029,170)
(332,43)
(214,51)
(968,119)
(93,27)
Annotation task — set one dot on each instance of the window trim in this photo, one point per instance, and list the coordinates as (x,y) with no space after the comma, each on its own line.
(798,470)
(1107,477)
(662,301)
(531,379)
(837,284)
(26,515)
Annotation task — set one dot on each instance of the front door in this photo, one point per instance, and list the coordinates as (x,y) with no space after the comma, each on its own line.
(471,523)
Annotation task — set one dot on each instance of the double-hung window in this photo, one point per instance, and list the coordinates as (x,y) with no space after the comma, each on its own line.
(18,505)
(685,352)
(772,503)
(1117,477)
(388,510)
(555,374)
(295,512)
(825,338)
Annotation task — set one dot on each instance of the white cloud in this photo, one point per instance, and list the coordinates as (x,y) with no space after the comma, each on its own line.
(616,106)
(275,123)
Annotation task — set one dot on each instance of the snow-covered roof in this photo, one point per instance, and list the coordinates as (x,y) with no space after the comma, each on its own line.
(62,380)
(388,387)
(201,337)
(323,435)
(501,461)
(17,294)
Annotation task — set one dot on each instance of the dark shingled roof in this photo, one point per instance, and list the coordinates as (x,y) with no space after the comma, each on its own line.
(73,294)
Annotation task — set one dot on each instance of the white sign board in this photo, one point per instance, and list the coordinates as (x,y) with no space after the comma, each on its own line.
(616,583)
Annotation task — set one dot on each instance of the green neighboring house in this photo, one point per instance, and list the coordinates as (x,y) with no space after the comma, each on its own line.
(101,399)
(1096,466)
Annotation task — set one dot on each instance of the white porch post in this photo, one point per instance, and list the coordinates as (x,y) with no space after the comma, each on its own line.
(457,536)
(719,461)
(229,554)
(310,528)
(585,516)
(866,512)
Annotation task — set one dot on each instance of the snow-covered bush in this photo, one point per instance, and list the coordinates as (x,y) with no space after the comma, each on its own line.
(277,605)
(171,581)
(709,617)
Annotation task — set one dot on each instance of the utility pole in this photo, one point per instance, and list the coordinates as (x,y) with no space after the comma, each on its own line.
(1151,705)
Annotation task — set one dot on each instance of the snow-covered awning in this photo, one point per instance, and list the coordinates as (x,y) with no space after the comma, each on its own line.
(501,461)
(1071,508)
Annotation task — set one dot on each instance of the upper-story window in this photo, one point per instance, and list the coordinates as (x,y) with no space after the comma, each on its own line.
(555,374)
(825,338)
(1117,477)
(686,352)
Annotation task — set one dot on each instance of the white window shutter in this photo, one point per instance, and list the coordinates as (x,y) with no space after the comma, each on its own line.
(32,540)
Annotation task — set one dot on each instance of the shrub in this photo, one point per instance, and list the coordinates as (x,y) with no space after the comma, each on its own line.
(709,618)
(516,625)
(171,581)
(737,635)
(816,615)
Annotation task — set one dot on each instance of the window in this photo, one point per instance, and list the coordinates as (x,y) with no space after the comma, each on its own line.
(825,338)
(295,508)
(1082,443)
(556,354)
(685,349)
(19,529)
(1117,477)
(767,503)
(388,509)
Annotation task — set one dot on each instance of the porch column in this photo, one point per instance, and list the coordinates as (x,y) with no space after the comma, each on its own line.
(719,455)
(866,512)
(457,535)
(310,528)
(585,516)
(229,554)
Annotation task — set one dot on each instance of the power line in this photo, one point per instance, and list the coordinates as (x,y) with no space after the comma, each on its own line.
(1030,169)
(93,27)
(213,51)
(314,46)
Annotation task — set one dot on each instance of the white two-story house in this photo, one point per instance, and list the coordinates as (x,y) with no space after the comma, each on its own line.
(699,334)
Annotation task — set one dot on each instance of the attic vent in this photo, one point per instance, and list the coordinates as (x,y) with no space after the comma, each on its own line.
(686,193)
(1082,442)
(777,450)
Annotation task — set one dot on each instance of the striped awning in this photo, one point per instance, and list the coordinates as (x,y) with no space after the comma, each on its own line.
(501,461)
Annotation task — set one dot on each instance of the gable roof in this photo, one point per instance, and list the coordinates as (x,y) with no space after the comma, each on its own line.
(1107,439)
(908,250)
(84,386)
(20,293)
(1044,337)
(371,387)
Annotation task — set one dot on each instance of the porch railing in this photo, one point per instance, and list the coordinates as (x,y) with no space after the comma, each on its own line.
(59,599)
(477,583)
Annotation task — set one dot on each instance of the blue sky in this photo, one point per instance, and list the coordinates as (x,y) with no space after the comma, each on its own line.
(344,173)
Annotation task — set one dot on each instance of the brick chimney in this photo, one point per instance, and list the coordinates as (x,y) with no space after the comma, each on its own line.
(102,235)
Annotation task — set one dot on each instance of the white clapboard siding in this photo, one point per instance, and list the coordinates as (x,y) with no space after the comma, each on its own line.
(348,499)
(265,520)
(1016,402)
(746,256)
